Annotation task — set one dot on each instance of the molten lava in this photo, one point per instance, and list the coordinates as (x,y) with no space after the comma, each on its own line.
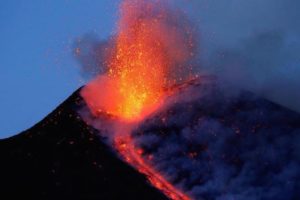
(147,54)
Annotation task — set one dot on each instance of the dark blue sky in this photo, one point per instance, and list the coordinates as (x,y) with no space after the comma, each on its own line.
(38,70)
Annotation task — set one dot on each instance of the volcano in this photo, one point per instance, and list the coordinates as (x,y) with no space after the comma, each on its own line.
(206,143)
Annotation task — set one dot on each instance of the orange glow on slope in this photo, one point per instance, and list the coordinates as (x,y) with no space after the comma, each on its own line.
(144,58)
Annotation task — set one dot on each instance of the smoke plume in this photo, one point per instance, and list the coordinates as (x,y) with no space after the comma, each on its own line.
(253,44)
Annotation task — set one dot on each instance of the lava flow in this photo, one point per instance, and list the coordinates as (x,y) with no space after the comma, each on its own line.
(148,54)
(133,155)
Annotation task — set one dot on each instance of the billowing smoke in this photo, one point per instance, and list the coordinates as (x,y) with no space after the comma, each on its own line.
(90,53)
(254,44)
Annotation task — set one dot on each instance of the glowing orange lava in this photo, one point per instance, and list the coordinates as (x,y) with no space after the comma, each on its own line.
(144,57)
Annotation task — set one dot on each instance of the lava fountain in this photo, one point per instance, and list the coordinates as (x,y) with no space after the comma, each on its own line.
(149,53)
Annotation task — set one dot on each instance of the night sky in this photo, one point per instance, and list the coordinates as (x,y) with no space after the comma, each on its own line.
(253,44)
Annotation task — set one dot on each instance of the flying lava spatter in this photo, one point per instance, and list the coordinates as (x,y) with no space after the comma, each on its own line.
(147,54)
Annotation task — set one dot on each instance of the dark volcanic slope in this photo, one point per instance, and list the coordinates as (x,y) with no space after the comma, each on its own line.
(61,158)
(225,147)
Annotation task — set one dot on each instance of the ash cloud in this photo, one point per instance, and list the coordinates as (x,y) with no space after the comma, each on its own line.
(221,147)
(253,44)
(91,52)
